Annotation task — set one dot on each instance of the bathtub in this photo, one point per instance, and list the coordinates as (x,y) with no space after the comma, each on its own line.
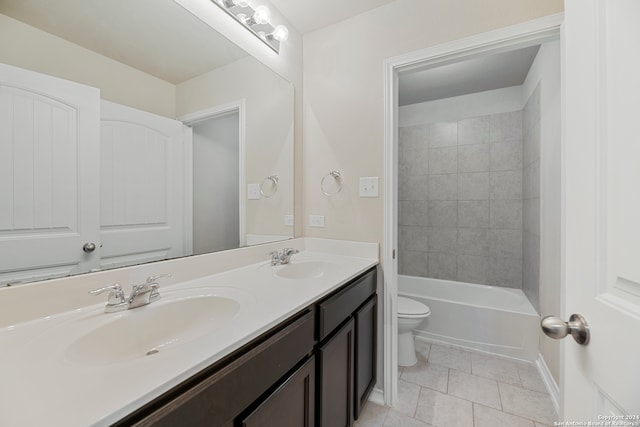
(486,318)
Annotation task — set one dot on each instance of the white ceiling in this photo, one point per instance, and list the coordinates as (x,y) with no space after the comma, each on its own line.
(158,37)
(471,76)
(310,15)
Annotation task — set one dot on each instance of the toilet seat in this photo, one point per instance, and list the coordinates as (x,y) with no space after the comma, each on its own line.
(411,309)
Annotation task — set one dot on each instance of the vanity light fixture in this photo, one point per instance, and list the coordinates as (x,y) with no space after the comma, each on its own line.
(256,19)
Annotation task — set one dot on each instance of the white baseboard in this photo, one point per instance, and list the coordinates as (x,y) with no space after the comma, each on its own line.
(377,396)
(549,382)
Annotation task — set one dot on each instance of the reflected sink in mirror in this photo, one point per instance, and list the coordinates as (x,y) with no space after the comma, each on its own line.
(154,328)
(305,269)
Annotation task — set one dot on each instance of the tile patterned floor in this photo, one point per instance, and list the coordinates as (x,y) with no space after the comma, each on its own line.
(449,387)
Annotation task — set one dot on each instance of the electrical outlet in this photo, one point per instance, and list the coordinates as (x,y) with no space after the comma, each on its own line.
(253,191)
(316,220)
(288,220)
(369,186)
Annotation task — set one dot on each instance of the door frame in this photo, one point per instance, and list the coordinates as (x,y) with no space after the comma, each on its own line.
(197,117)
(513,37)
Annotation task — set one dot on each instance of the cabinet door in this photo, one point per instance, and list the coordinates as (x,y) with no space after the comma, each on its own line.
(291,405)
(365,353)
(336,378)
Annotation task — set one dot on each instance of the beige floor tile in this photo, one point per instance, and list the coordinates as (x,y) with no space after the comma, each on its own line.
(427,375)
(443,410)
(408,394)
(527,403)
(422,350)
(450,357)
(372,415)
(396,419)
(495,368)
(489,417)
(531,378)
(474,388)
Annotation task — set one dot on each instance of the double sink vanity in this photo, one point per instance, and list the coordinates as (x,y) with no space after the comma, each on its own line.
(229,339)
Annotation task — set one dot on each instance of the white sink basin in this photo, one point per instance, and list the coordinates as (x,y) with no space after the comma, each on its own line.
(157,327)
(305,269)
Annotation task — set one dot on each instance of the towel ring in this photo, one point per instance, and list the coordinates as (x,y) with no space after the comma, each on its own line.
(338,179)
(273,179)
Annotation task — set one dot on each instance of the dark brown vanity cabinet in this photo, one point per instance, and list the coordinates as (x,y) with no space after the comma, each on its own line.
(346,355)
(314,369)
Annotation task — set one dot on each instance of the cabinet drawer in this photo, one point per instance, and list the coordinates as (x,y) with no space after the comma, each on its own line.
(226,393)
(335,310)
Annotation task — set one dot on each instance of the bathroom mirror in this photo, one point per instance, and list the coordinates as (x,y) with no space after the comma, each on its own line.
(152,59)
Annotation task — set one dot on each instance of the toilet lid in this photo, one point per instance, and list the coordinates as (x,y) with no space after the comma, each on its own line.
(409,307)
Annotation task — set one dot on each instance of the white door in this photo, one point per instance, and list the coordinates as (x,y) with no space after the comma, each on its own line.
(49,172)
(142,187)
(601,219)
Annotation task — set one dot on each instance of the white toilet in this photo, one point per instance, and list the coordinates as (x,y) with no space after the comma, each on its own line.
(411,313)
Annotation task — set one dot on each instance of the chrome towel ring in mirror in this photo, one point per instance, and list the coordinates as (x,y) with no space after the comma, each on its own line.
(269,186)
(338,181)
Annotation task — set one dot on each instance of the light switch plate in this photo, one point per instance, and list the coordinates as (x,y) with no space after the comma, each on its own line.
(288,220)
(253,191)
(316,220)
(369,186)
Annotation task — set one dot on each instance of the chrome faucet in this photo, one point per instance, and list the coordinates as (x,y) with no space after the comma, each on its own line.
(279,258)
(143,294)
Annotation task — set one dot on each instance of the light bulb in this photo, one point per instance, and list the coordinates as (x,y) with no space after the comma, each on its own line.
(280,33)
(262,15)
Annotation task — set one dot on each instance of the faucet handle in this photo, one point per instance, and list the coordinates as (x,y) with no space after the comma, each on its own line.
(116,296)
(152,279)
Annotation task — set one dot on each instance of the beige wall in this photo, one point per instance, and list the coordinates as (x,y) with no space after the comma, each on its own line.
(269,131)
(343,96)
(40,51)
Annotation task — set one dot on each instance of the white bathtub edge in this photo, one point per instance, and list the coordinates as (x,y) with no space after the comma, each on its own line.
(549,382)
(515,353)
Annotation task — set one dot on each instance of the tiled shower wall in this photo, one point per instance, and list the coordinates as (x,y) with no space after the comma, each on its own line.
(531,196)
(461,200)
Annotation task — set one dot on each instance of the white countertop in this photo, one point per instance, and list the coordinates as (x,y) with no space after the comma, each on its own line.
(41,385)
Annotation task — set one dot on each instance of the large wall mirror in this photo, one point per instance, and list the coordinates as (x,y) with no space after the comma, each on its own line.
(132,132)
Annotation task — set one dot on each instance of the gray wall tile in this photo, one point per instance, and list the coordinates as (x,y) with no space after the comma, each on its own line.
(475,130)
(414,238)
(474,213)
(413,137)
(443,160)
(444,134)
(413,263)
(443,187)
(473,158)
(505,272)
(473,269)
(413,212)
(413,187)
(473,186)
(461,208)
(505,243)
(442,265)
(506,156)
(506,214)
(506,185)
(443,213)
(473,241)
(413,162)
(506,126)
(443,240)
(531,180)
